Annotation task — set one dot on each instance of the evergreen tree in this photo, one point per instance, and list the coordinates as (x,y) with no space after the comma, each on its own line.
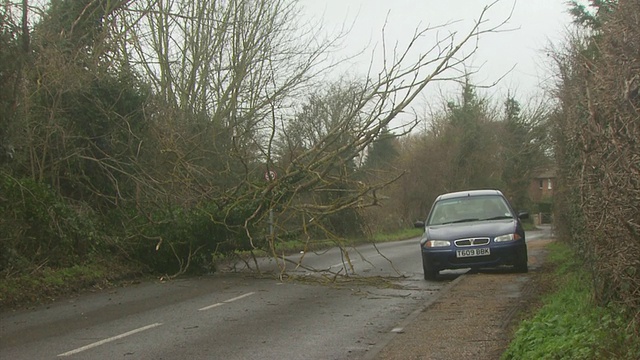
(383,151)
(471,137)
(522,152)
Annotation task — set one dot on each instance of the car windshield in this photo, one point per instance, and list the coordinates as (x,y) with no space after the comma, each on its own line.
(468,209)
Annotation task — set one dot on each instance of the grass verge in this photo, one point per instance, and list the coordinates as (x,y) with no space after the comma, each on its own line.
(45,285)
(569,325)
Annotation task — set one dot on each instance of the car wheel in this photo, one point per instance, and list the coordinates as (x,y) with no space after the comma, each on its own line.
(430,272)
(522,265)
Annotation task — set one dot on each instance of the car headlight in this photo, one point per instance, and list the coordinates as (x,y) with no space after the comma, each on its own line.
(437,243)
(508,237)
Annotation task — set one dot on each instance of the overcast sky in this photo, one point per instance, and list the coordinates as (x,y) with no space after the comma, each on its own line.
(533,23)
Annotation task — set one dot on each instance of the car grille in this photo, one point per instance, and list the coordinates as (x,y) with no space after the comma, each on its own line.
(471,242)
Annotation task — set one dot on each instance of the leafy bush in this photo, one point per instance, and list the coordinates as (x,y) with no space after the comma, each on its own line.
(176,239)
(39,228)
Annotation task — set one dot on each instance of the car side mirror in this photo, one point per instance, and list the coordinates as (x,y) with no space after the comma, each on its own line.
(418,224)
(523,215)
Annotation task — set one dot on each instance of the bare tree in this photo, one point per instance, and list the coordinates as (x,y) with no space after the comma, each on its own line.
(380,100)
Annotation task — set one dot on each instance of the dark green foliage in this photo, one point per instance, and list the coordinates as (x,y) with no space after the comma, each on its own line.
(38,227)
(106,118)
(472,137)
(9,70)
(524,142)
(584,17)
(75,23)
(383,151)
(175,239)
(518,166)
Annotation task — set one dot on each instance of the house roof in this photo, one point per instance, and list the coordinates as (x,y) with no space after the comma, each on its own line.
(544,173)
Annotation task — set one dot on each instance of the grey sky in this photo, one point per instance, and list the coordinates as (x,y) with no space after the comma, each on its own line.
(534,24)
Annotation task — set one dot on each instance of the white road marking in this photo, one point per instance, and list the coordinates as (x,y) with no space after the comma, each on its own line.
(226,301)
(101,342)
(211,306)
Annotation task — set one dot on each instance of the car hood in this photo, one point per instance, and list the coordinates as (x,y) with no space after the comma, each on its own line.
(471,229)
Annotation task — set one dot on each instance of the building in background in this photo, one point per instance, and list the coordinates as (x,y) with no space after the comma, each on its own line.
(541,194)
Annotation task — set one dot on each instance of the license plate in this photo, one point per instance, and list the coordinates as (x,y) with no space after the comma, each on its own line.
(473,252)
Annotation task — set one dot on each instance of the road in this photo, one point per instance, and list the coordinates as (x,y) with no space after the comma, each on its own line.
(236,315)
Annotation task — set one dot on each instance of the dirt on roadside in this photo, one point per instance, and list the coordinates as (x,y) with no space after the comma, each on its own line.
(475,318)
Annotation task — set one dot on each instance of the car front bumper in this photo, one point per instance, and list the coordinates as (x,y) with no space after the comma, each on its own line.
(503,254)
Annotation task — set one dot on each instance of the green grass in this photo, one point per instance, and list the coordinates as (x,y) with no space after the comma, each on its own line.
(569,325)
(44,285)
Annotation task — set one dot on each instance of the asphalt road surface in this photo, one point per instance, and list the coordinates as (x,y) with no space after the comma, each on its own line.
(292,314)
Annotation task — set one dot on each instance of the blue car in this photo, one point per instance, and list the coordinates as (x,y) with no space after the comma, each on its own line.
(472,229)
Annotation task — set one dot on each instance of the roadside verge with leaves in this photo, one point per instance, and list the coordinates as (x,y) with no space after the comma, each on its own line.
(569,325)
